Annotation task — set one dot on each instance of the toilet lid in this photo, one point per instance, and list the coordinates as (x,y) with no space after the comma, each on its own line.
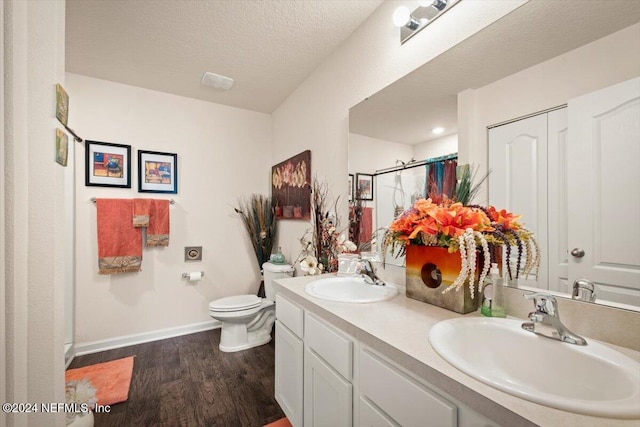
(235,303)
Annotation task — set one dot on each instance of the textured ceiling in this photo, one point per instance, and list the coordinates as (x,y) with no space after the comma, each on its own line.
(269,47)
(407,110)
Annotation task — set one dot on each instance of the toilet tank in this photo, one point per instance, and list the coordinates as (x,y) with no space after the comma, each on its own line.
(272,272)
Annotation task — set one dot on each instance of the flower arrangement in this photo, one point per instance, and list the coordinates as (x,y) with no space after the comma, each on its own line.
(81,394)
(320,252)
(462,227)
(258,215)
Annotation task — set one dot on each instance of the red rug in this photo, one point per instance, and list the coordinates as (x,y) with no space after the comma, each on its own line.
(282,422)
(111,379)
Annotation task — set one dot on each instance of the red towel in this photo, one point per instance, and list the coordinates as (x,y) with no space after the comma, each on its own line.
(366,225)
(119,243)
(141,210)
(158,230)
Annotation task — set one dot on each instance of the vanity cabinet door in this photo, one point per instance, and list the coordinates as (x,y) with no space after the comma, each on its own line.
(289,373)
(400,397)
(327,395)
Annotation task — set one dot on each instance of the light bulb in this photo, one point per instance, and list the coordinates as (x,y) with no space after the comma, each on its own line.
(437,130)
(401,16)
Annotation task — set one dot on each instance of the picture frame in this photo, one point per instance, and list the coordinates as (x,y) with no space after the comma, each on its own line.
(364,186)
(62,147)
(351,180)
(291,187)
(107,164)
(62,105)
(157,172)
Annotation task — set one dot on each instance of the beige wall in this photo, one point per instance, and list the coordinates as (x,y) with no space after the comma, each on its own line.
(223,153)
(33,59)
(315,116)
(599,64)
(366,154)
(442,146)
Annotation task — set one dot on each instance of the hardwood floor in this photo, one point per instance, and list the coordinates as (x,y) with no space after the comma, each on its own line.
(188,381)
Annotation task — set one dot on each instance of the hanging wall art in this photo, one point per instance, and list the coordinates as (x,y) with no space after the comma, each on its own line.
(291,187)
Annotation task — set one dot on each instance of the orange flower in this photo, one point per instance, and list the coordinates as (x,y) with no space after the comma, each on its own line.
(508,220)
(457,218)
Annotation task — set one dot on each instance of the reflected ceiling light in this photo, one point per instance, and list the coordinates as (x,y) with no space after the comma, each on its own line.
(402,18)
(438,4)
(437,130)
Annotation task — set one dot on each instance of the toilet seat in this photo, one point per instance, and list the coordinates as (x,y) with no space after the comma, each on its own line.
(235,303)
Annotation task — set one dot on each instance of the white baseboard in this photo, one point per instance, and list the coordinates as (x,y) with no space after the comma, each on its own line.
(111,343)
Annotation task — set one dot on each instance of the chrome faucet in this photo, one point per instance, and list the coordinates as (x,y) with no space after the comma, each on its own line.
(366,270)
(545,320)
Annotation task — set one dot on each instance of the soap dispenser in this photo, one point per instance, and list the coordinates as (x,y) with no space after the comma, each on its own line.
(498,302)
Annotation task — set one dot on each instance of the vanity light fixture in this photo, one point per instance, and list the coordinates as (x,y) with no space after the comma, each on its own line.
(402,18)
(410,23)
(438,130)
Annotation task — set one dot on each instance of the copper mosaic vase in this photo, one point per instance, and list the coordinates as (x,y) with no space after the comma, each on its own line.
(430,269)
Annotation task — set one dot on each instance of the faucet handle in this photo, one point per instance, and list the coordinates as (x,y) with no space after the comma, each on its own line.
(544,303)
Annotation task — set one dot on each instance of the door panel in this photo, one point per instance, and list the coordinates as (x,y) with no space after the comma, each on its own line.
(557,200)
(518,180)
(604,201)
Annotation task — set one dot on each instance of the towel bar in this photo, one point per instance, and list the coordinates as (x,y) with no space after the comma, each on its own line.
(171,201)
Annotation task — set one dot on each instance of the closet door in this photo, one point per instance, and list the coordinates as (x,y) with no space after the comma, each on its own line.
(604,196)
(557,201)
(518,180)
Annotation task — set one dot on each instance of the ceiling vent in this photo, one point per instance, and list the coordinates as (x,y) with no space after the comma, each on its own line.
(217,81)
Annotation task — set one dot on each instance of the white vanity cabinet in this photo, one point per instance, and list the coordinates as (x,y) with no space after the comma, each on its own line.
(326,378)
(328,361)
(289,371)
(393,397)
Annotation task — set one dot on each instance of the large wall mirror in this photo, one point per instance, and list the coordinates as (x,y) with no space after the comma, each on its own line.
(537,59)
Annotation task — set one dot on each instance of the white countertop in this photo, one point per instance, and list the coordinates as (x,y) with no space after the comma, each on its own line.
(399,328)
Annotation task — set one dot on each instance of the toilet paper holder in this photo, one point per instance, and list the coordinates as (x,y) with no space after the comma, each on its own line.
(186,275)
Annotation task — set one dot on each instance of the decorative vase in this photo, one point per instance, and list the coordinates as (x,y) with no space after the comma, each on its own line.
(83,420)
(278,211)
(287,211)
(297,212)
(430,269)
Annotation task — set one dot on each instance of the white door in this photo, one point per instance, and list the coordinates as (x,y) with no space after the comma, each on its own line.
(327,396)
(518,180)
(604,201)
(557,201)
(288,373)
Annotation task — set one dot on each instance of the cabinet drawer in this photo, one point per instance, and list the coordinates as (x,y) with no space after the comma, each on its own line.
(290,314)
(402,398)
(334,347)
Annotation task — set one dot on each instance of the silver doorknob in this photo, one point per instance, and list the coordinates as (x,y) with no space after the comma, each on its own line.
(577,252)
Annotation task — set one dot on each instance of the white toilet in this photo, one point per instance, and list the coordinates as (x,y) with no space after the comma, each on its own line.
(247,319)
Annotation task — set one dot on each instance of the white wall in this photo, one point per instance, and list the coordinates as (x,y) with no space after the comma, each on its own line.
(33,57)
(599,64)
(442,146)
(366,154)
(315,116)
(223,153)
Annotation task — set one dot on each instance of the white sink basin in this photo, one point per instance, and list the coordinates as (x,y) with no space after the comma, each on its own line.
(592,379)
(350,289)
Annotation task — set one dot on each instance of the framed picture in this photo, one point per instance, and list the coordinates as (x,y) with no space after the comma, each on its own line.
(291,187)
(351,187)
(62,105)
(364,186)
(157,172)
(62,147)
(107,165)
